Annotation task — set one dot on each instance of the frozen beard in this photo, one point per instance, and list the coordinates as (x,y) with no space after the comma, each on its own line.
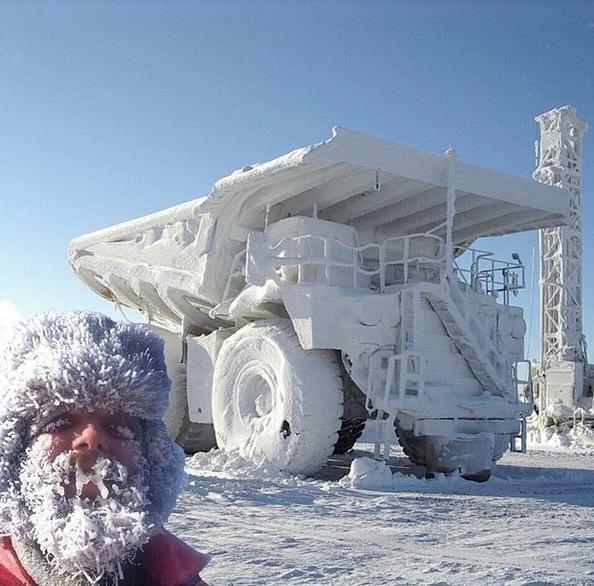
(81,536)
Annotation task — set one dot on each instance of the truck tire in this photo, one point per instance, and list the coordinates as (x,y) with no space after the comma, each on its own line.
(413,446)
(192,437)
(196,437)
(348,434)
(273,400)
(445,455)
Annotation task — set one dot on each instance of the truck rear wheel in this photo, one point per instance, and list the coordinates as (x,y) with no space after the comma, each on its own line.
(192,437)
(348,434)
(413,446)
(274,400)
(472,455)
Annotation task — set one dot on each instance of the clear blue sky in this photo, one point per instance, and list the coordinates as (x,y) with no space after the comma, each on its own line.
(109,111)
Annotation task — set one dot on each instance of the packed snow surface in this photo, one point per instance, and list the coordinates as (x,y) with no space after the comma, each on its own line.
(361,522)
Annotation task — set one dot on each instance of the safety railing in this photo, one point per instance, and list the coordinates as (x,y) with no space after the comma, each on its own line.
(396,261)
(490,276)
(409,259)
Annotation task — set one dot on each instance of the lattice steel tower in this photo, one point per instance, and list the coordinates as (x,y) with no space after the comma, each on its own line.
(563,355)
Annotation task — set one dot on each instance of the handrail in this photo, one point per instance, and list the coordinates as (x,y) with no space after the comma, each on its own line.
(499,276)
(486,275)
(383,249)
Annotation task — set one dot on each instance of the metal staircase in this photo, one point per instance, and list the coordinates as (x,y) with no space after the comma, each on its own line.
(452,305)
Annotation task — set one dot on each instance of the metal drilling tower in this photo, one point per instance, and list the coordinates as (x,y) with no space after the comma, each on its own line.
(563,365)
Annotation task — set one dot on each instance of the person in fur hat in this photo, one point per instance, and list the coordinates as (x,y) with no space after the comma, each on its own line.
(88,475)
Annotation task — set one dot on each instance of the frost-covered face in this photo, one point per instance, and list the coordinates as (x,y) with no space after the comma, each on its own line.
(91,435)
(84,482)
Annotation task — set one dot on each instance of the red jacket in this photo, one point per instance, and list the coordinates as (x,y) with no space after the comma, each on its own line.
(168,561)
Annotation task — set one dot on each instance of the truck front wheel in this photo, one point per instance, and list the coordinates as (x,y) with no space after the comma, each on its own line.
(273,400)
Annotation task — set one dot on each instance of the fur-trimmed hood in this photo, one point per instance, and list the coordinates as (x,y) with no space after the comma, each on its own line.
(85,360)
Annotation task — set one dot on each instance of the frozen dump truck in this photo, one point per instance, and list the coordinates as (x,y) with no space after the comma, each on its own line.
(329,286)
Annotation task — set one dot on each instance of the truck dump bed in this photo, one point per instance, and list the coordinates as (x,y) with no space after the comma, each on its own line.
(179,263)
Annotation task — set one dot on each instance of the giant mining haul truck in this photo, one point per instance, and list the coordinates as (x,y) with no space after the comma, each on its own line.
(329,286)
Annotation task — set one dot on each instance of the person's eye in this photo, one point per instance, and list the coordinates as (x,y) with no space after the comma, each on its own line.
(58,424)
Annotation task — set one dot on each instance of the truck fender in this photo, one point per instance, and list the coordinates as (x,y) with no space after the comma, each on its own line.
(202,352)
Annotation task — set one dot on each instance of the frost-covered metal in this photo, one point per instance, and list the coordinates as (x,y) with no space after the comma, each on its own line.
(349,258)
(563,352)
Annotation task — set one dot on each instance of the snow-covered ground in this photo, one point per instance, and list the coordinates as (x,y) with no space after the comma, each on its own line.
(532,523)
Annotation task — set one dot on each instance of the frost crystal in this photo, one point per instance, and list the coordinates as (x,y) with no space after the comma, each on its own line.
(83,536)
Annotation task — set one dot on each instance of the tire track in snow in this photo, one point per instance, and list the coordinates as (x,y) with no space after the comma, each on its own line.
(377,543)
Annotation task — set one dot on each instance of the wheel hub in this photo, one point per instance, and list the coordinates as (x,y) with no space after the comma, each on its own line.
(255,398)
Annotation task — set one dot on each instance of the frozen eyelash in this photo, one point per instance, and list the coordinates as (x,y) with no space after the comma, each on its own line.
(124,432)
(53,425)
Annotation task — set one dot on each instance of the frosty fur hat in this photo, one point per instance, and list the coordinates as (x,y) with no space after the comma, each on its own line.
(82,360)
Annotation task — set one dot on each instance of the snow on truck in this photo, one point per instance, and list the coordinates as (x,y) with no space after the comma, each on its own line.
(329,286)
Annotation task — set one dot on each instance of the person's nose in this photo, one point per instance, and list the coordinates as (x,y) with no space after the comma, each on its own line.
(92,438)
